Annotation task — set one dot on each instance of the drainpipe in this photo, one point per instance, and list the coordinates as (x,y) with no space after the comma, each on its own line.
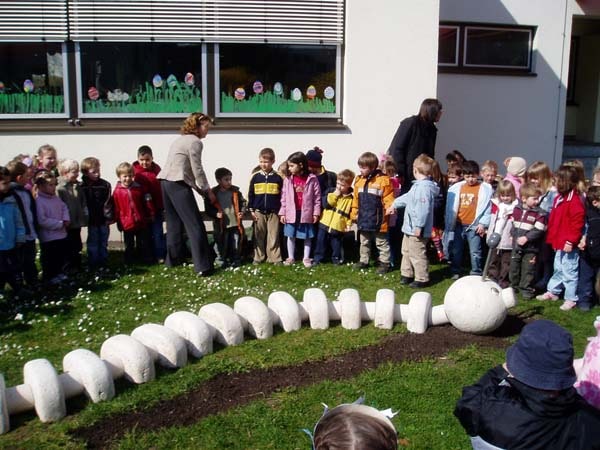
(559,102)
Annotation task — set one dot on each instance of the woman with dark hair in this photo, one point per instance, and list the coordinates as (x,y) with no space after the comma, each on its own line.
(415,135)
(181,175)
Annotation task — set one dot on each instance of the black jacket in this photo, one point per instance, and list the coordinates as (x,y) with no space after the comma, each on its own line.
(511,415)
(264,193)
(413,137)
(98,195)
(592,236)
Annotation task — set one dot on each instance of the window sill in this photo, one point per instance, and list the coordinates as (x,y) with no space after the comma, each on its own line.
(485,71)
(164,124)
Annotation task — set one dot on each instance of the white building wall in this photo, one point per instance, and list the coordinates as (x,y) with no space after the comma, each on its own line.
(390,65)
(493,117)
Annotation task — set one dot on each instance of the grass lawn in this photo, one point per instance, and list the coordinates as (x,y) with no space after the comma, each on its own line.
(85,314)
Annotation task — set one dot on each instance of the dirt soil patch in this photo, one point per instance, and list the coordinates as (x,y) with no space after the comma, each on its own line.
(226,391)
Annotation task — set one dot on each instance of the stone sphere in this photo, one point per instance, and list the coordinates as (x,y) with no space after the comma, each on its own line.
(475,306)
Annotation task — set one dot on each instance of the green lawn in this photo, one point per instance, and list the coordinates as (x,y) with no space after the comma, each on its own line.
(84,315)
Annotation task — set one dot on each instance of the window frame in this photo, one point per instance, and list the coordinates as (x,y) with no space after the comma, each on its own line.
(457,46)
(222,115)
(481,69)
(80,96)
(66,93)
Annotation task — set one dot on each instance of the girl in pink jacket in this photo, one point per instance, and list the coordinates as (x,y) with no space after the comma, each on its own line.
(300,206)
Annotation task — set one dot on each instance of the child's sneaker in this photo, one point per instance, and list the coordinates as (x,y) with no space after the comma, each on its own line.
(360,266)
(383,269)
(307,262)
(289,262)
(547,296)
(567,305)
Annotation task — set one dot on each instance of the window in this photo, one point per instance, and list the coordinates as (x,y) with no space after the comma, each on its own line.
(273,79)
(164,58)
(485,49)
(147,78)
(32,80)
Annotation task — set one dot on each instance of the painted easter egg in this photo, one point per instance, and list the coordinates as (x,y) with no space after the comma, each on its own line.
(172,81)
(28,86)
(296,94)
(1,86)
(93,93)
(311,92)
(329,93)
(257,87)
(157,81)
(278,88)
(189,79)
(240,93)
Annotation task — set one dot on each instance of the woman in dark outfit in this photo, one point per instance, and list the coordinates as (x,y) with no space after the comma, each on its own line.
(415,135)
(181,175)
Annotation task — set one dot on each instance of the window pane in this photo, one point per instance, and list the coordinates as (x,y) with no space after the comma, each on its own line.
(141,77)
(447,49)
(265,78)
(496,47)
(31,78)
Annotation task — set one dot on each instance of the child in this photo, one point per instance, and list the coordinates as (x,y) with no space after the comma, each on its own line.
(439,206)
(145,171)
(455,159)
(264,201)
(97,192)
(489,173)
(565,227)
(388,167)
(12,236)
(515,171)
(47,159)
(53,220)
(300,206)
(30,164)
(69,191)
(418,205)
(467,217)
(529,228)
(373,195)
(134,212)
(336,218)
(500,239)
(20,178)
(454,174)
(589,257)
(327,179)
(596,177)
(227,215)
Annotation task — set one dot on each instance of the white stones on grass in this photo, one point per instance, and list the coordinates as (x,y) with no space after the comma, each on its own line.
(470,304)
(224,321)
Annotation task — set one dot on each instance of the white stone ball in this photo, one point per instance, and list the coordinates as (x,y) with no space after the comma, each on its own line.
(475,306)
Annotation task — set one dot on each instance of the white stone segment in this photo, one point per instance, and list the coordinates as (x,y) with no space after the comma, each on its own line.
(335,310)
(508,297)
(384,309)
(195,332)
(316,304)
(474,305)
(19,399)
(71,387)
(400,312)
(350,301)
(256,315)
(303,312)
(165,346)
(127,356)
(225,323)
(367,311)
(419,307)
(91,372)
(286,309)
(48,395)
(438,316)
(4,416)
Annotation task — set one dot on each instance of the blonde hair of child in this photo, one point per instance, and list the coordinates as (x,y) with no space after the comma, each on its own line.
(540,171)
(346,176)
(423,164)
(505,187)
(89,163)
(267,153)
(46,148)
(580,170)
(124,168)
(66,165)
(489,165)
(529,189)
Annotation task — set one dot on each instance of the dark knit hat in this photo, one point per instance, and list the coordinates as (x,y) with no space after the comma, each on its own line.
(315,157)
(542,357)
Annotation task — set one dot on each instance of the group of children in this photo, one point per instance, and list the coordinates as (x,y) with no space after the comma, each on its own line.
(523,221)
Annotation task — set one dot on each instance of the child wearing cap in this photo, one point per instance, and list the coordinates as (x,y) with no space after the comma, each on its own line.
(326,178)
(529,401)
(515,171)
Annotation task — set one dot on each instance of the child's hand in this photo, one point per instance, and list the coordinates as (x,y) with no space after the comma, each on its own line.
(581,245)
(390,211)
(337,192)
(568,248)
(282,219)
(66,223)
(254,217)
(418,231)
(522,240)
(480,230)
(240,215)
(220,215)
(315,219)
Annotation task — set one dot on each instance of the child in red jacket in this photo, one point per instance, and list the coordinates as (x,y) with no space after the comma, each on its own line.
(565,227)
(134,212)
(145,171)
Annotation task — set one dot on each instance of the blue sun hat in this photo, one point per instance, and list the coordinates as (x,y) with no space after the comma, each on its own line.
(542,357)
